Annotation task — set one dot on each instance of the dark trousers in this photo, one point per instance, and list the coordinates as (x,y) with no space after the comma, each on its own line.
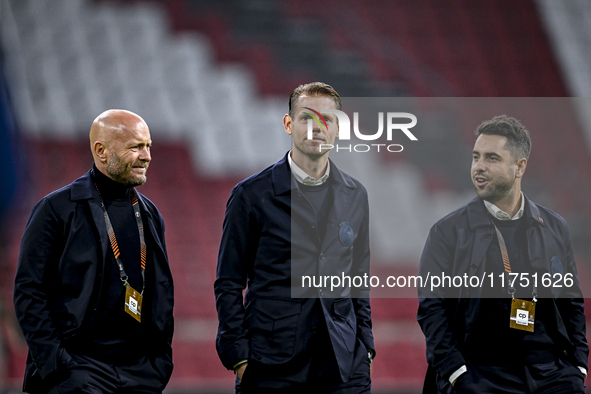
(88,376)
(323,378)
(555,377)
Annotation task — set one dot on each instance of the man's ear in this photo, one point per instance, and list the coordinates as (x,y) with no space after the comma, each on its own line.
(521,165)
(99,150)
(287,123)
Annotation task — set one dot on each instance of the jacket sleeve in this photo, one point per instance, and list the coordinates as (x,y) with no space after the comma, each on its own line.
(165,320)
(236,257)
(572,307)
(40,252)
(437,310)
(361,266)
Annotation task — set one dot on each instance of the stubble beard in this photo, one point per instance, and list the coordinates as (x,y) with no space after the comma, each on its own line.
(496,189)
(117,171)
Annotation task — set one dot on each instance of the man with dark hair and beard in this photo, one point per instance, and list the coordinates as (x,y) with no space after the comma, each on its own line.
(93,291)
(504,336)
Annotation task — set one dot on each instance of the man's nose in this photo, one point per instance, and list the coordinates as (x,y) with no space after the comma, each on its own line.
(478,165)
(145,154)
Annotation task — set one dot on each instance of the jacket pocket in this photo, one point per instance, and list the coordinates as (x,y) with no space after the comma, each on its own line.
(273,328)
(345,322)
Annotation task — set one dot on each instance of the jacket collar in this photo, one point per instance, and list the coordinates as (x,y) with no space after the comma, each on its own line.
(283,180)
(84,188)
(478,215)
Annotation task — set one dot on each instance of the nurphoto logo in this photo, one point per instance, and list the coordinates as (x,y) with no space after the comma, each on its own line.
(392,124)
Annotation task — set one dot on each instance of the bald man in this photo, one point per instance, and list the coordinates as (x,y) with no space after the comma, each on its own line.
(93,291)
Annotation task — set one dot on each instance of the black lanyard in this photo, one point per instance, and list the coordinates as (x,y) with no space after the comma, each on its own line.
(113,240)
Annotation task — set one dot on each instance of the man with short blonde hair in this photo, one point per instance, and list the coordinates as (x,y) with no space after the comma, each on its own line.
(301,214)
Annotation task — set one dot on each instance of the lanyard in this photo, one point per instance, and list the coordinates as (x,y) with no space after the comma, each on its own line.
(113,240)
(507,265)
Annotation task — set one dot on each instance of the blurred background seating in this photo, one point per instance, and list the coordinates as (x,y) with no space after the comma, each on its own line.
(212,79)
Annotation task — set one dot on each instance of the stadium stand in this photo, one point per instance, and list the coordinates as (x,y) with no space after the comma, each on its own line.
(569,27)
(207,75)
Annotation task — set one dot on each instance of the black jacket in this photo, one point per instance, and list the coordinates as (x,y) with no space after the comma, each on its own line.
(457,245)
(260,225)
(60,273)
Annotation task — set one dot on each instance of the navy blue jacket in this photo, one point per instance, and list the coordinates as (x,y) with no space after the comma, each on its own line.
(256,253)
(60,274)
(457,245)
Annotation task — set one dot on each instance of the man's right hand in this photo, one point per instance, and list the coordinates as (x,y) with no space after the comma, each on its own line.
(240,370)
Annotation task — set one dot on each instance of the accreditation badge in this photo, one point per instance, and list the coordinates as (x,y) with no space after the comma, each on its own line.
(522,314)
(133,303)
